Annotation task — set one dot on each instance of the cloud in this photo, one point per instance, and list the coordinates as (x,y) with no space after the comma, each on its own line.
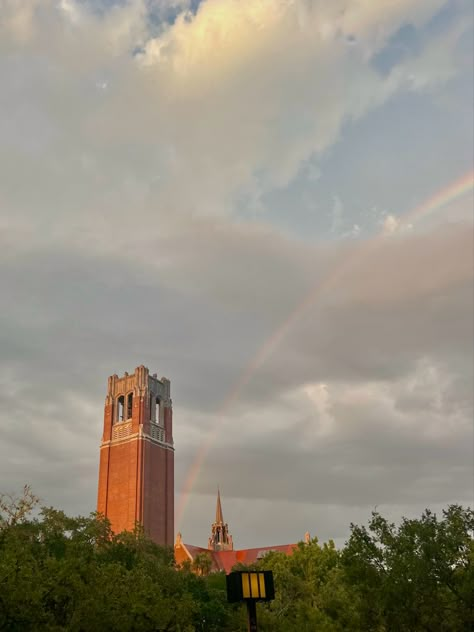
(127,144)
(373,451)
(390,224)
(203,115)
(386,357)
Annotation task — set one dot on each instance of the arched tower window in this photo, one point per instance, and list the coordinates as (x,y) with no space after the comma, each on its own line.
(129,405)
(157,410)
(154,408)
(120,407)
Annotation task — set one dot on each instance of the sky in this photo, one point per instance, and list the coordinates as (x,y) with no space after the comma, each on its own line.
(248,197)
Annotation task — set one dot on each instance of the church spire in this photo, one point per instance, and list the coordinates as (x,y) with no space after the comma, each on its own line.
(220,539)
(219,516)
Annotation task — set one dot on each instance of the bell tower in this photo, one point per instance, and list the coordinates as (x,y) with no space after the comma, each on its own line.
(136,472)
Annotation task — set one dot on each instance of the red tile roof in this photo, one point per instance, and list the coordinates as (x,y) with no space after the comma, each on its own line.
(226,560)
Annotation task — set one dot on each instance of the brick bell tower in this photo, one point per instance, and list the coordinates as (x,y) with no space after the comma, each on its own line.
(136,472)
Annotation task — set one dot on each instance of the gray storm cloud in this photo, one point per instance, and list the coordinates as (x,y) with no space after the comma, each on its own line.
(128,151)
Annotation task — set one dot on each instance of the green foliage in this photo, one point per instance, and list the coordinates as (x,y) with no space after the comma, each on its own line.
(60,573)
(202,564)
(309,593)
(418,576)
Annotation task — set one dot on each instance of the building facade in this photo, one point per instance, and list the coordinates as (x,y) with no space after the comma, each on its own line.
(220,549)
(136,471)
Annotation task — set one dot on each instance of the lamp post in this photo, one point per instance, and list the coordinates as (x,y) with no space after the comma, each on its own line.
(250,587)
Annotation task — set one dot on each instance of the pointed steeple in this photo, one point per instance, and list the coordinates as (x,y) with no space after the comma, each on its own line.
(219,516)
(220,539)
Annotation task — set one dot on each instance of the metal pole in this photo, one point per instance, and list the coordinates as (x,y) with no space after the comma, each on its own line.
(252,614)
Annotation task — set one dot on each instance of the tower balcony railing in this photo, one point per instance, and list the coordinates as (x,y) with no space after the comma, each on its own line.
(157,432)
(122,430)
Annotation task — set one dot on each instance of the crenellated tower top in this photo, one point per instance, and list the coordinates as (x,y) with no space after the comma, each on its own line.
(138,402)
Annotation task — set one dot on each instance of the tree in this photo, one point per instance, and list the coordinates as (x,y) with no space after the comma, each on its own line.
(418,576)
(60,573)
(306,589)
(15,509)
(202,564)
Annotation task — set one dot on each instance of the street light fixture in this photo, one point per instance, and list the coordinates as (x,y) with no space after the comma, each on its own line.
(250,586)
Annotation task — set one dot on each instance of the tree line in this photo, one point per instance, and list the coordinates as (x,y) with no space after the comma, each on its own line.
(62,573)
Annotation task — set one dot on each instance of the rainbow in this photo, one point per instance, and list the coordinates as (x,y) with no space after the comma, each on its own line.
(457,189)
(436,202)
